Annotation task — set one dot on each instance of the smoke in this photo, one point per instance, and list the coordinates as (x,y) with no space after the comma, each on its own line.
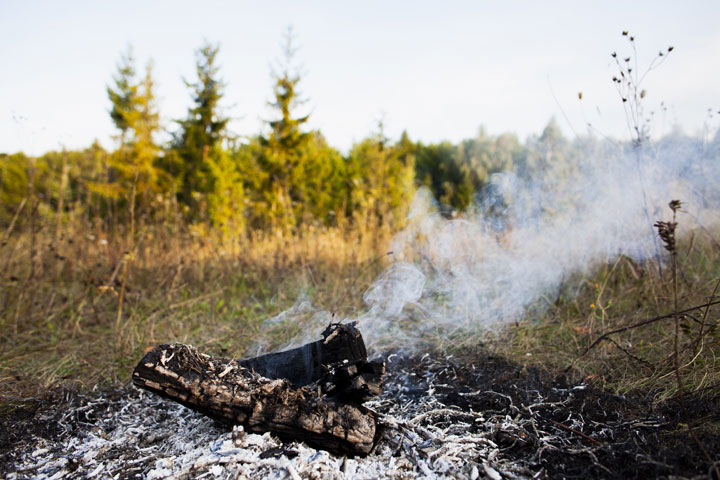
(530,231)
(511,253)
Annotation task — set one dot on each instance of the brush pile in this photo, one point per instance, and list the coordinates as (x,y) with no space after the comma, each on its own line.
(439,418)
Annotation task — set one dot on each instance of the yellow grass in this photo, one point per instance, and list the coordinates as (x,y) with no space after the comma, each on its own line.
(81,305)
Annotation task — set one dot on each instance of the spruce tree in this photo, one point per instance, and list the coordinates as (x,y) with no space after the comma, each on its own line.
(134,175)
(381,178)
(439,168)
(227,201)
(144,148)
(201,133)
(283,147)
(123,95)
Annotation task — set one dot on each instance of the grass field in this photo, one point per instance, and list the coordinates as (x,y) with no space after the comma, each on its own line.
(619,295)
(79,305)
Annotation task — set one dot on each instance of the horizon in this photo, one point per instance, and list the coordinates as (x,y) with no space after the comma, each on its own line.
(439,74)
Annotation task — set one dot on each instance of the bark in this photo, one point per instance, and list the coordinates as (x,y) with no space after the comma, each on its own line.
(325,412)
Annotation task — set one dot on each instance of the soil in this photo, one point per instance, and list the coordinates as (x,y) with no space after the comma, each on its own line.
(538,426)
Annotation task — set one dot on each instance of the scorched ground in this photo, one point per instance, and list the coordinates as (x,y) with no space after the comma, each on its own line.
(479,417)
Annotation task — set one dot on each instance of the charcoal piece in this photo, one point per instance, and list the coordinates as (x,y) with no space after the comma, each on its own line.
(308,363)
(320,403)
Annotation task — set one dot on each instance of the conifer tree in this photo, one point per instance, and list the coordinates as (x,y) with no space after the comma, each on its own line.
(134,112)
(320,185)
(439,168)
(144,147)
(381,178)
(227,201)
(123,95)
(201,133)
(282,157)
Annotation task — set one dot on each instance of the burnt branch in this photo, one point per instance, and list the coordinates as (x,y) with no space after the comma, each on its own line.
(325,412)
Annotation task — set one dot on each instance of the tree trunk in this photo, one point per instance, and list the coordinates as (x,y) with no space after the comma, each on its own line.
(319,402)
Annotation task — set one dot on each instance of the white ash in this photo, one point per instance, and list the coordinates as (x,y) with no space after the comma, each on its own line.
(151,438)
(135,434)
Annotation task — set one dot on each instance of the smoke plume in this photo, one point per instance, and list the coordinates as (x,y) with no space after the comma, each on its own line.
(511,253)
(529,231)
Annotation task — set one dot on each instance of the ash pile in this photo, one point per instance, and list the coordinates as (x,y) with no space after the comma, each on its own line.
(441,418)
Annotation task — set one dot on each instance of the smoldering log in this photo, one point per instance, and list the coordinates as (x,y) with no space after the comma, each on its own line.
(307,364)
(326,412)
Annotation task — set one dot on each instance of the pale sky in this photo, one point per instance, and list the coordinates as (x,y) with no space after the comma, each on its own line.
(439,70)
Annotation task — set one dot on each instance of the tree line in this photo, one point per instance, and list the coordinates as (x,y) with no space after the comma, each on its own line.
(279,180)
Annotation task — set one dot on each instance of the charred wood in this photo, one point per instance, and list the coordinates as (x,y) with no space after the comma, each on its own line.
(308,363)
(325,412)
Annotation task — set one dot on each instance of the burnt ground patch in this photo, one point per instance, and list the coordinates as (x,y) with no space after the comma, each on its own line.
(503,419)
(25,419)
(566,430)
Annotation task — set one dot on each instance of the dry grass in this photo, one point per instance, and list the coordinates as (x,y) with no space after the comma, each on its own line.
(80,304)
(619,295)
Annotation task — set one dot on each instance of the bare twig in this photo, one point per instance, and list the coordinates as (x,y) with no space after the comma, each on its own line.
(632,355)
(575,431)
(642,323)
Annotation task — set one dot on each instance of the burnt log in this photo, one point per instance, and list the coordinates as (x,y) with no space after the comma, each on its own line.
(325,412)
(308,363)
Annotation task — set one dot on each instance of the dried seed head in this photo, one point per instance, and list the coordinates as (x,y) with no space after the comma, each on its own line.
(625,32)
(666,231)
(675,205)
(670,49)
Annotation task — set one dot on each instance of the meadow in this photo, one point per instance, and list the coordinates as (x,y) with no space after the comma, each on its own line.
(79,306)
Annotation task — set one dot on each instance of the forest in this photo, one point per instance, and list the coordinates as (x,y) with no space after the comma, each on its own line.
(278,181)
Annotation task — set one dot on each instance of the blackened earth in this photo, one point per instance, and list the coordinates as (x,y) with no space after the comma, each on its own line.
(536,426)
(573,431)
